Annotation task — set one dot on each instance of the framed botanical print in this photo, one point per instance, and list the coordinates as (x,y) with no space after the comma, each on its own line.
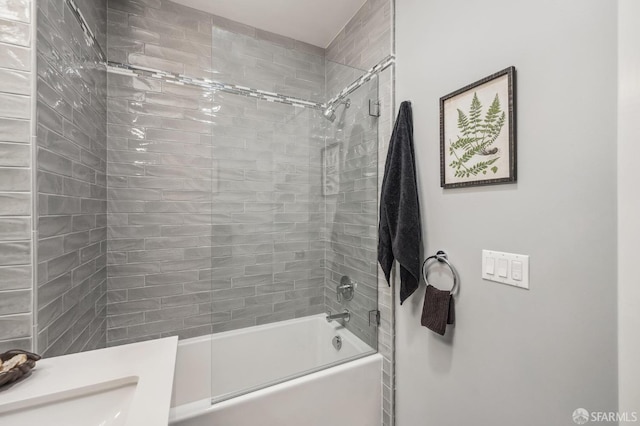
(478,132)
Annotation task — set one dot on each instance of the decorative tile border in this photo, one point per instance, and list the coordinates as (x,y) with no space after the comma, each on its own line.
(91,38)
(127,69)
(136,70)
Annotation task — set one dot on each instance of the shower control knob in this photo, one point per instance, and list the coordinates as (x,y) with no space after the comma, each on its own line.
(346,289)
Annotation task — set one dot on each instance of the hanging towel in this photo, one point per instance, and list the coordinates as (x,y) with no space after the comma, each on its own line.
(438,310)
(399,229)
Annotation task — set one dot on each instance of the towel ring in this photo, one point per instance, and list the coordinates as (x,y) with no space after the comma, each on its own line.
(441,257)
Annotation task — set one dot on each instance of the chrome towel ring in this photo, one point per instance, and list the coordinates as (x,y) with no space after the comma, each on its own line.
(441,257)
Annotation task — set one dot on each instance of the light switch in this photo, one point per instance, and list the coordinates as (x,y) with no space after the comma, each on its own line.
(490,266)
(503,265)
(506,268)
(516,270)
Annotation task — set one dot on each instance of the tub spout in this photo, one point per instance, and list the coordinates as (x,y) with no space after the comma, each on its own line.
(346,316)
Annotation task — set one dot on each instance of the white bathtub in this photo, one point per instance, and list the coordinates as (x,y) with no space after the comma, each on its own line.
(222,367)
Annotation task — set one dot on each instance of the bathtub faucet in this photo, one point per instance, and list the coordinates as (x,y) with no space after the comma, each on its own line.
(346,316)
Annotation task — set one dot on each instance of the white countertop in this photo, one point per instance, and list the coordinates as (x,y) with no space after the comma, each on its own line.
(150,363)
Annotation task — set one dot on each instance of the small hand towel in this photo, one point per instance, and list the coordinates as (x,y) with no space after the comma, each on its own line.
(399,231)
(438,310)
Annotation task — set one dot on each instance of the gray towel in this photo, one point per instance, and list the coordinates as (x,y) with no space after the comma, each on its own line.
(399,231)
(438,310)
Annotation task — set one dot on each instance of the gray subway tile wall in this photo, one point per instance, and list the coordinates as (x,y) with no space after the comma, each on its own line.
(367,38)
(266,61)
(15,174)
(214,208)
(71,181)
(159,209)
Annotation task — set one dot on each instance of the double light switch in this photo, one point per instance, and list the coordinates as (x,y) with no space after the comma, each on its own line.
(506,268)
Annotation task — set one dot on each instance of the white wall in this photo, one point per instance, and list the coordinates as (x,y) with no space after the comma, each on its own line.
(516,356)
(628,204)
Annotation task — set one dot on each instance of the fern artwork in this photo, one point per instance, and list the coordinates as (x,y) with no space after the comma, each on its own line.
(477,136)
(477,133)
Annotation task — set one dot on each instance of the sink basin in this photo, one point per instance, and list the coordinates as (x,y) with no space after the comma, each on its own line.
(100,404)
(128,385)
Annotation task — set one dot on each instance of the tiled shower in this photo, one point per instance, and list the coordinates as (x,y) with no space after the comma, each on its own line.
(163,208)
(216,216)
(215,211)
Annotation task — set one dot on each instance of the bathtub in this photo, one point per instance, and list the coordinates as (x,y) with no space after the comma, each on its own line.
(260,375)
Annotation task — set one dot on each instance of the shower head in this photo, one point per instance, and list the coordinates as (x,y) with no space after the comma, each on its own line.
(330,112)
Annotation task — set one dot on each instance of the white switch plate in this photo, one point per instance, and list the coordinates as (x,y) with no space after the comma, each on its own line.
(493,263)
